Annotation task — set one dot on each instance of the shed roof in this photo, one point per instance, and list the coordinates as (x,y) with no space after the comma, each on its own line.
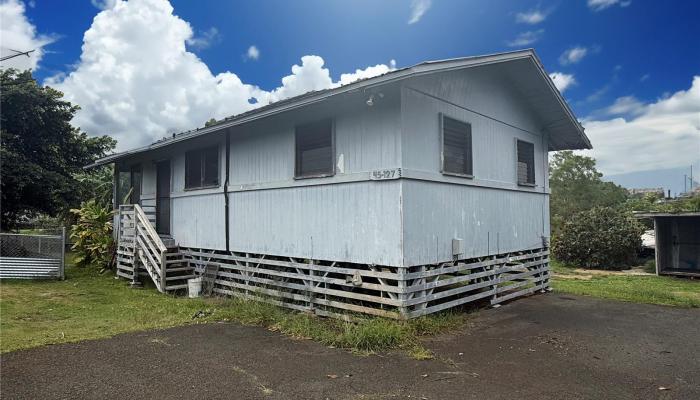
(566,133)
(652,215)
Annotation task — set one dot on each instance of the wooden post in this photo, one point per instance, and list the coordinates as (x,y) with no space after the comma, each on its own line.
(163,263)
(62,272)
(310,287)
(135,272)
(401,281)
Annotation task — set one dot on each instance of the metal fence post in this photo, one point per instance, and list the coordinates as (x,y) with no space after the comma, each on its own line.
(63,253)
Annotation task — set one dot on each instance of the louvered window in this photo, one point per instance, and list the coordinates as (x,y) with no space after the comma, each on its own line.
(314,151)
(526,163)
(456,147)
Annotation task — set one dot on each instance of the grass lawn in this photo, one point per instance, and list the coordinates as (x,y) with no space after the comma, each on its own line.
(649,289)
(90,306)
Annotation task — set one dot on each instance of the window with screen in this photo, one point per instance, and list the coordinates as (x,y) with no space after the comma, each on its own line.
(202,168)
(456,147)
(526,163)
(314,151)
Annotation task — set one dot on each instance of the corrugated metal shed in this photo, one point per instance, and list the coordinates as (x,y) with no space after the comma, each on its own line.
(677,238)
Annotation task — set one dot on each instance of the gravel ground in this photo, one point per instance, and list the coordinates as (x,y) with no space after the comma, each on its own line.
(543,347)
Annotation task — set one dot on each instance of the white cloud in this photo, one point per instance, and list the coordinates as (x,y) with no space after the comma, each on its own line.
(310,75)
(379,69)
(137,81)
(253,53)
(526,38)
(531,17)
(17,33)
(599,5)
(418,9)
(663,134)
(103,4)
(205,39)
(573,55)
(625,105)
(562,81)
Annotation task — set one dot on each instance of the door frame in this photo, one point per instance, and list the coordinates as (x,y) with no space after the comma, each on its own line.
(159,197)
(136,187)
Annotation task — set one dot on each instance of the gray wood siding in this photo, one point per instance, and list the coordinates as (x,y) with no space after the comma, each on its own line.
(490,212)
(496,115)
(356,222)
(345,217)
(366,138)
(490,221)
(198,221)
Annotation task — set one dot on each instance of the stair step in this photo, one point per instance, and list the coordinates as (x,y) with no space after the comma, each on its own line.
(176,287)
(124,267)
(178,269)
(180,277)
(125,275)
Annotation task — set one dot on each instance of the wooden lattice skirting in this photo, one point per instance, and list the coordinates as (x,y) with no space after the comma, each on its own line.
(335,289)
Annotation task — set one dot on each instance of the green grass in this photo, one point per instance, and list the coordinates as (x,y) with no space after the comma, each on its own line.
(652,289)
(88,305)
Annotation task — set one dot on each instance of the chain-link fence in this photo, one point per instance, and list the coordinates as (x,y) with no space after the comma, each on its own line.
(39,254)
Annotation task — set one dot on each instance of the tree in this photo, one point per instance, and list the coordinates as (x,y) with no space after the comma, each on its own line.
(602,237)
(41,152)
(576,186)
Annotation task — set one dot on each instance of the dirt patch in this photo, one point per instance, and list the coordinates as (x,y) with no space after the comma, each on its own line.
(572,276)
(689,295)
(637,271)
(542,347)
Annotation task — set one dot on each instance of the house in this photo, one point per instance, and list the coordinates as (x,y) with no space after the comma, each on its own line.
(398,195)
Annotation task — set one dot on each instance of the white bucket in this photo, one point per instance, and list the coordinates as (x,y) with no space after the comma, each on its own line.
(194,287)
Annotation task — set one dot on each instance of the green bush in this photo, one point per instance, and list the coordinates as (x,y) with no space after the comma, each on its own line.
(603,238)
(92,235)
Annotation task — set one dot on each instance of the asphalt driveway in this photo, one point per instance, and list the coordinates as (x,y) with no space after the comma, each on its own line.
(543,347)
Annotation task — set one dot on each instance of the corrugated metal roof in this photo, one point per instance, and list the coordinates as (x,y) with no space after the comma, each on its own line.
(694,214)
(568,124)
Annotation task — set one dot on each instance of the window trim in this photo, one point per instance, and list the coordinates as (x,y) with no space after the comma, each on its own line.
(201,186)
(534,172)
(442,147)
(297,176)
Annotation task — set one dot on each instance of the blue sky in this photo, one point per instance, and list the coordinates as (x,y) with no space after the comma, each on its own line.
(622,59)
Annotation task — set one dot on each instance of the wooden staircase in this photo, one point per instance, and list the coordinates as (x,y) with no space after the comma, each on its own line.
(141,252)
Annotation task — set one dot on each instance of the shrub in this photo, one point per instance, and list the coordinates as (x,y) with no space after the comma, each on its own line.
(603,237)
(92,235)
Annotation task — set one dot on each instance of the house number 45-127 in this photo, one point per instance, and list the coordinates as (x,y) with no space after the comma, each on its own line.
(382,174)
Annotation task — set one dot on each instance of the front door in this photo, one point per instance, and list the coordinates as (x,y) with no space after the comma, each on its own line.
(163,197)
(135,197)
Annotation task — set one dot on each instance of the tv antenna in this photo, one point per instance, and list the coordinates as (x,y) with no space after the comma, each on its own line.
(17,54)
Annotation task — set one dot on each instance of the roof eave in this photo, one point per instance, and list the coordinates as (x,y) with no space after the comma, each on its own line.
(570,114)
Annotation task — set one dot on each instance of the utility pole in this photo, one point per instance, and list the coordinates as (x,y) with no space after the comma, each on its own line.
(18,53)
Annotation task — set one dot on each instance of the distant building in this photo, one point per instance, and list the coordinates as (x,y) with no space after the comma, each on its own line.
(640,192)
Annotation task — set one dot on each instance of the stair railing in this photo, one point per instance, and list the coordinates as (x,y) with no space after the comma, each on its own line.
(148,247)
